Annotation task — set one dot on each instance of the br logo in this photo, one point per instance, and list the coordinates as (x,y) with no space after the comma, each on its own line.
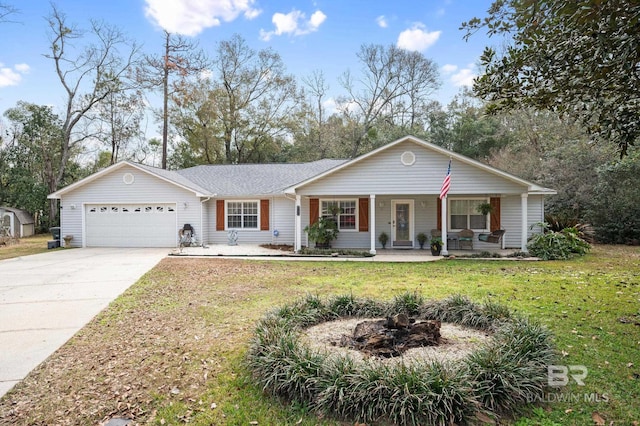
(558,375)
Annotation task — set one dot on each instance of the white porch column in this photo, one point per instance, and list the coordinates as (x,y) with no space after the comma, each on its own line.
(297,245)
(445,248)
(372,222)
(525,221)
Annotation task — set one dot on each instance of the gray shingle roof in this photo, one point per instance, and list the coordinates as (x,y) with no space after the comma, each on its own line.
(174,177)
(254,179)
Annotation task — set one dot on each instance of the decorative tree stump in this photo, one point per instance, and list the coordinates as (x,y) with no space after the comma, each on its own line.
(392,336)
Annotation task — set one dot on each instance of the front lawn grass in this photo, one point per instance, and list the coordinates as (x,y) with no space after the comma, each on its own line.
(25,246)
(171,349)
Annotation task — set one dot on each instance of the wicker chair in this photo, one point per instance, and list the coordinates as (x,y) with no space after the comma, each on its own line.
(494,237)
(465,238)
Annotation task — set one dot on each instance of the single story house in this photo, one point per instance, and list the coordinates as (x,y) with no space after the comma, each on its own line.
(394,189)
(16,223)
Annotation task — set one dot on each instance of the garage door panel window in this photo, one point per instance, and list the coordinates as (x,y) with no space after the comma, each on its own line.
(242,215)
(161,209)
(131,225)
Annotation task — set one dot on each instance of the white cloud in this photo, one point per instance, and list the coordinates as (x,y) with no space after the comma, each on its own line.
(190,17)
(294,23)
(382,21)
(464,77)
(449,69)
(459,76)
(286,23)
(330,106)
(12,76)
(205,74)
(22,68)
(317,19)
(417,38)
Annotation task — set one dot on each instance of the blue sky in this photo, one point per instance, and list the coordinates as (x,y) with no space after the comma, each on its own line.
(309,35)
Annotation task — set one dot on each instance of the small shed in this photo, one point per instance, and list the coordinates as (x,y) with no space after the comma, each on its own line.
(16,223)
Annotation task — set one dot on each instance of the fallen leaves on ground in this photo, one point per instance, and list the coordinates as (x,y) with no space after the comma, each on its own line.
(156,345)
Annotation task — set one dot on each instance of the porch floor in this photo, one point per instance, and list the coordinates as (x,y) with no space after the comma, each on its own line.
(382,255)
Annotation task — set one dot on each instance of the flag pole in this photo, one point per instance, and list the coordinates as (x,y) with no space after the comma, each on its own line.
(444,190)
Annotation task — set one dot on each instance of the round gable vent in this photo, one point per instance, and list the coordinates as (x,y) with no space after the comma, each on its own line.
(128,178)
(408,158)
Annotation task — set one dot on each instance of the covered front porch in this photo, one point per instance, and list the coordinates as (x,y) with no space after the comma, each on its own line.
(402,218)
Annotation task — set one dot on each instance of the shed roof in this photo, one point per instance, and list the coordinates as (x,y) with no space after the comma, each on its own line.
(24,217)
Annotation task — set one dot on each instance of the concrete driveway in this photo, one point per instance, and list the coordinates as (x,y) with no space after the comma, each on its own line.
(46,298)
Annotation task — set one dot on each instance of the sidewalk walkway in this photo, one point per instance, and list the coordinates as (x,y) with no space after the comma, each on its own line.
(249,251)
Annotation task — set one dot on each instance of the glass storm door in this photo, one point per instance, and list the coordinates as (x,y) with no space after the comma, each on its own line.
(402,223)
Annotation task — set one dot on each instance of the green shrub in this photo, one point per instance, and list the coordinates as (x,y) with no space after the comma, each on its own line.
(331,252)
(552,245)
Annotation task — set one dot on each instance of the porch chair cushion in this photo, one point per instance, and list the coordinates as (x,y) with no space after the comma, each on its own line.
(494,237)
(465,238)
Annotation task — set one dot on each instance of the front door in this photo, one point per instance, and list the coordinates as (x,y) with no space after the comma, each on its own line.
(402,223)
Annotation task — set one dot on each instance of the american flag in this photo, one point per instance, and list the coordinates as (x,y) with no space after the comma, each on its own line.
(446,183)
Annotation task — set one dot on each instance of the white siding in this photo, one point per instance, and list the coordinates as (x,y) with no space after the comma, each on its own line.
(535,207)
(384,174)
(281,217)
(511,221)
(110,188)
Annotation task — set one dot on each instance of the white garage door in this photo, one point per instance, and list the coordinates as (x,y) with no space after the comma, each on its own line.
(133,225)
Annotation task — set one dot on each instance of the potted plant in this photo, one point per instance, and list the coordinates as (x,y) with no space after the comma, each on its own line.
(436,246)
(383,238)
(422,238)
(484,208)
(323,232)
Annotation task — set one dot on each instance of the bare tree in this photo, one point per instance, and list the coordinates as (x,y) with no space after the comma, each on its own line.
(180,57)
(390,76)
(318,87)
(118,119)
(5,11)
(259,103)
(87,76)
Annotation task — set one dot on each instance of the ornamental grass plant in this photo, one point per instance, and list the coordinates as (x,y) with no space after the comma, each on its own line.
(502,376)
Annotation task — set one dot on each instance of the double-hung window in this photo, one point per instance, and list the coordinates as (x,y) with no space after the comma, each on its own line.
(242,215)
(345,212)
(463,214)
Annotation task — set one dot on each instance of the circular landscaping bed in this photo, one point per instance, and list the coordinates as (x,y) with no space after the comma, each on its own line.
(483,361)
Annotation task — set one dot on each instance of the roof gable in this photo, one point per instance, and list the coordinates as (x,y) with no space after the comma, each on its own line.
(165,175)
(532,188)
